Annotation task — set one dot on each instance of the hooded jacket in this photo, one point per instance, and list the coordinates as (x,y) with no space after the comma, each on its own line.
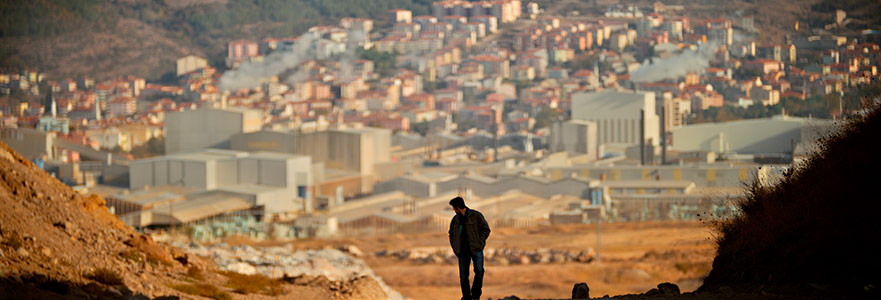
(476,227)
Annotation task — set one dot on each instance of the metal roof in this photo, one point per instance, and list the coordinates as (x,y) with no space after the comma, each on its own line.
(202,206)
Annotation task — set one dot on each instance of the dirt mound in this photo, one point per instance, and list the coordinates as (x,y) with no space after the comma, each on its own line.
(52,239)
(55,242)
(817,227)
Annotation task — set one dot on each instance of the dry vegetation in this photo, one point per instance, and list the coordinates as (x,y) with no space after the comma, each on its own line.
(204,290)
(818,226)
(253,284)
(106,276)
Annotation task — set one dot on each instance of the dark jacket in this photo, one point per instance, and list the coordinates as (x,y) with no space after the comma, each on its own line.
(476,227)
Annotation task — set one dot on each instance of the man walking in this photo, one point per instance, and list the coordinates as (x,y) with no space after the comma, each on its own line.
(468,233)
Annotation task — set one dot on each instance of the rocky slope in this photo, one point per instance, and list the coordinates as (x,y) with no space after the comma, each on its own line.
(54,239)
(55,243)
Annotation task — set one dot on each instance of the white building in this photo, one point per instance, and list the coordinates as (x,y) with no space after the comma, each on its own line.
(278,182)
(204,128)
(575,136)
(190,63)
(351,149)
(617,115)
(780,134)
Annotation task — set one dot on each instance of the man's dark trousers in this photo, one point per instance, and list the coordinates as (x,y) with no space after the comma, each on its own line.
(465,259)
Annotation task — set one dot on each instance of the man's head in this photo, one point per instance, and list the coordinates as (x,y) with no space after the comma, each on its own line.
(458,205)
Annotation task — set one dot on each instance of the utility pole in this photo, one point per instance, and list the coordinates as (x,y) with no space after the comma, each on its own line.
(599,239)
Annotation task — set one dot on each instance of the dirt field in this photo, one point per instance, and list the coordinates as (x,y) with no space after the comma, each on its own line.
(634,258)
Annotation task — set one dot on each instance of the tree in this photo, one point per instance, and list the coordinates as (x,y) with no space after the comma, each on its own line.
(421,128)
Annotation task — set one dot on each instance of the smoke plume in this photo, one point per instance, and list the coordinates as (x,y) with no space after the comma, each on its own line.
(674,67)
(252,74)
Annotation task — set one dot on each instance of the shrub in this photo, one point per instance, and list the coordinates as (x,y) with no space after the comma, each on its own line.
(132,255)
(106,276)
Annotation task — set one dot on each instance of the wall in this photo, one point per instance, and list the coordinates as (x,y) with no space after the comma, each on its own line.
(776,135)
(207,128)
(617,115)
(30,143)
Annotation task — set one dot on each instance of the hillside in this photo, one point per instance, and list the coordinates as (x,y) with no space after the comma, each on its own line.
(55,242)
(104,39)
(54,239)
(817,229)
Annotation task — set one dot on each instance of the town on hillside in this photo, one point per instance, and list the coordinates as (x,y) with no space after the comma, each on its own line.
(371,125)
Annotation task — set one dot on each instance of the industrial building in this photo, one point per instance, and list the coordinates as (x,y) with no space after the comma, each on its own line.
(619,116)
(30,143)
(575,136)
(344,151)
(203,128)
(779,134)
(277,185)
(432,184)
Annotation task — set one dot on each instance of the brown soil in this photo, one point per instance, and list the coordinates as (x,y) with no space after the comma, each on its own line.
(635,258)
(55,243)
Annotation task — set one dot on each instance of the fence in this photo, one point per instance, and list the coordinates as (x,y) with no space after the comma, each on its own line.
(374,225)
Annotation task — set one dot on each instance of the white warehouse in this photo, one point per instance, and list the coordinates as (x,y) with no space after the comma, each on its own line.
(203,128)
(779,134)
(279,182)
(575,136)
(617,115)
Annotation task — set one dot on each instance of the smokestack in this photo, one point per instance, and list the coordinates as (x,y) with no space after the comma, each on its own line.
(495,140)
(664,133)
(641,137)
(596,76)
(54,105)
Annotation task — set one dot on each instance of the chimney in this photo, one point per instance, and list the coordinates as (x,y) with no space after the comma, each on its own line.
(663,134)
(641,137)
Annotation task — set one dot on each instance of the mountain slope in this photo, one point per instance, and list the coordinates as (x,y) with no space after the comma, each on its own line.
(104,39)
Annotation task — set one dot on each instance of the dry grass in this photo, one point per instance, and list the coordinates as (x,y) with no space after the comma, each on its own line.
(204,290)
(132,256)
(195,273)
(106,276)
(253,284)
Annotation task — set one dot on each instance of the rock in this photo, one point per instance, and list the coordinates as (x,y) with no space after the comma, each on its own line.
(512,297)
(581,291)
(114,291)
(653,292)
(635,275)
(351,249)
(242,268)
(29,238)
(667,288)
(46,251)
(22,252)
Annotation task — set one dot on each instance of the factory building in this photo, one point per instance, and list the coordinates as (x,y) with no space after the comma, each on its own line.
(779,134)
(574,136)
(276,184)
(353,150)
(194,130)
(618,116)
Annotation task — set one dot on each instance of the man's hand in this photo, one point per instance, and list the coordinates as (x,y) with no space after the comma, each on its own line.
(484,228)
